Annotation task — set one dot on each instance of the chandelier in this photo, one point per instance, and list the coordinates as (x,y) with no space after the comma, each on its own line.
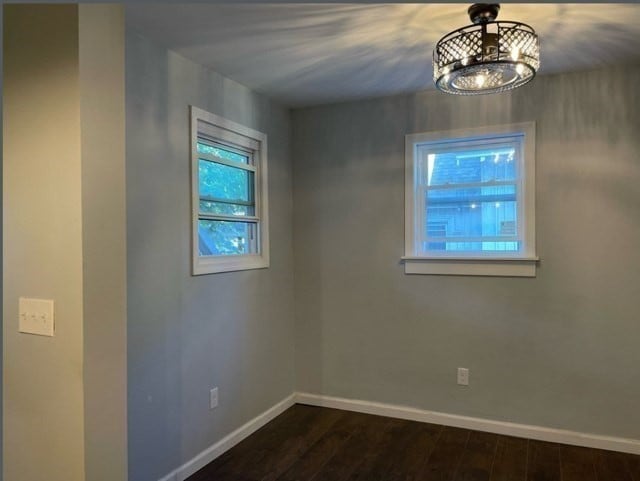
(486,57)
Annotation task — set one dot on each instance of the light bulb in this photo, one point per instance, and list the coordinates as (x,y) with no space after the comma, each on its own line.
(497,204)
(480,79)
(519,69)
(515,53)
(473,206)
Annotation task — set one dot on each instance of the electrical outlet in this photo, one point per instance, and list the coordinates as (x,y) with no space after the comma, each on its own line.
(463,376)
(35,316)
(213,398)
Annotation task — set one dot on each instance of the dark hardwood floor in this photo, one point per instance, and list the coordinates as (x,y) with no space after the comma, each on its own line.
(309,443)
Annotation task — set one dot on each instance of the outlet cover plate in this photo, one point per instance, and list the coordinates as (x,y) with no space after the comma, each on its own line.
(463,376)
(213,398)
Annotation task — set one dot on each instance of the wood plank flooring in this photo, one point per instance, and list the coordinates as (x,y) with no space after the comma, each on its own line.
(308,443)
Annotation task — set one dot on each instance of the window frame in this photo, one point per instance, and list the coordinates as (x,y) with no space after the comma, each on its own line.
(235,137)
(518,264)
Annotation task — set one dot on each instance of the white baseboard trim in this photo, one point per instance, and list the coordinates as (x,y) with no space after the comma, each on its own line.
(226,443)
(499,427)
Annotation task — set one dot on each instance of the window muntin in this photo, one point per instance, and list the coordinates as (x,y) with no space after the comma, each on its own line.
(229,195)
(470,201)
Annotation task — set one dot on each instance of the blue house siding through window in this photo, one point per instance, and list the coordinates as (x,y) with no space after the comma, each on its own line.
(465,209)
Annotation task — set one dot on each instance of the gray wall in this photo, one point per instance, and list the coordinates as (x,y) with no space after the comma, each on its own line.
(558,350)
(1,256)
(188,334)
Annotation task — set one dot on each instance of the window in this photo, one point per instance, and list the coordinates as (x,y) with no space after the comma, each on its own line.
(229,195)
(470,206)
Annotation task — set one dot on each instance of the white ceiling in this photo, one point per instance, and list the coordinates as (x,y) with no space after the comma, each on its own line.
(306,54)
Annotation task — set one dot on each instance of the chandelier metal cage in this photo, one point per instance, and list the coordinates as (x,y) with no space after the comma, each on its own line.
(486,57)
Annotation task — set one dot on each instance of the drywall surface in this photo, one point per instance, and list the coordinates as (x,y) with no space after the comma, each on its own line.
(42,249)
(102,110)
(188,334)
(558,350)
(1,257)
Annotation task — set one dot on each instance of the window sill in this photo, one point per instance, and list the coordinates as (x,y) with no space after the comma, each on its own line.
(214,265)
(471,266)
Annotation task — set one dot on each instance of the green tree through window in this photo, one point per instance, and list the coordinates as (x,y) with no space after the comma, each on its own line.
(226,190)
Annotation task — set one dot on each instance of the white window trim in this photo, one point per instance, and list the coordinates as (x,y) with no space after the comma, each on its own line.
(257,142)
(522,264)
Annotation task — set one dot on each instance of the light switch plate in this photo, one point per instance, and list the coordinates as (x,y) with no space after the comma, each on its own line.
(36,316)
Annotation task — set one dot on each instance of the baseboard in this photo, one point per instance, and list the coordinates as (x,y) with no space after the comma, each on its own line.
(499,427)
(226,443)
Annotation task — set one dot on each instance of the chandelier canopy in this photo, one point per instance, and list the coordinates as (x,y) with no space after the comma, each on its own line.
(486,57)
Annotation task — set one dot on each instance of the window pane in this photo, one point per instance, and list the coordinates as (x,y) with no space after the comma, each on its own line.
(222,182)
(472,219)
(224,208)
(479,247)
(482,164)
(222,153)
(220,238)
